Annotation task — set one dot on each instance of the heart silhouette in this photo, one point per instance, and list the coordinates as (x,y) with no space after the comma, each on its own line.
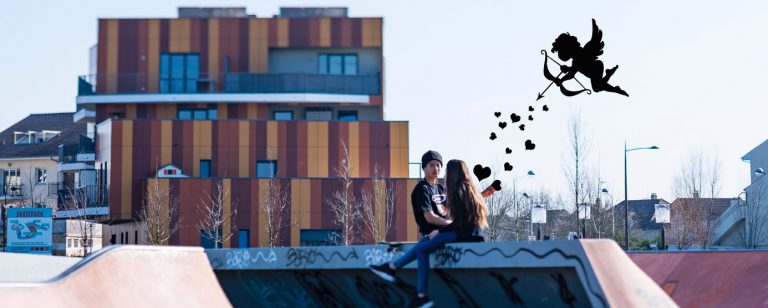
(493,136)
(507,167)
(546,108)
(509,151)
(530,108)
(481,172)
(515,118)
(522,126)
(529,145)
(530,118)
(496,185)
(502,125)
(497,114)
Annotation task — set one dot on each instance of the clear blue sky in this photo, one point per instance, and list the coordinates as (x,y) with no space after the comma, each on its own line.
(695,71)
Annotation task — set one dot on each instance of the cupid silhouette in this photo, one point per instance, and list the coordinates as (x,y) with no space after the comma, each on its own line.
(584,61)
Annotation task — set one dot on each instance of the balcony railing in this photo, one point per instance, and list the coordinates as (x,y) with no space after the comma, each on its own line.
(79,152)
(230,83)
(70,197)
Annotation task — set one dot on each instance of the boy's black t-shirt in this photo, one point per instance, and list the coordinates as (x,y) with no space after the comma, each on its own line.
(424,198)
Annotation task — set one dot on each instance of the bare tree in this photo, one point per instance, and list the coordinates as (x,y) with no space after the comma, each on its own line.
(501,215)
(32,197)
(692,218)
(156,216)
(377,208)
(77,208)
(755,214)
(575,170)
(344,208)
(215,223)
(276,211)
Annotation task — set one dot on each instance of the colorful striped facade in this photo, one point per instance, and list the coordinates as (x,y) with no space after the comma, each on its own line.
(135,138)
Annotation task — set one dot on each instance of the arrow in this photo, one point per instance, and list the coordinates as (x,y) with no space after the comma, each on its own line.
(541,94)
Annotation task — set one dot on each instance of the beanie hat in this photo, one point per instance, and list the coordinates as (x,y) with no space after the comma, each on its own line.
(430,156)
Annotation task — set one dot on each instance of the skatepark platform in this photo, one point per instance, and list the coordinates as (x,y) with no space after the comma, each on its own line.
(586,273)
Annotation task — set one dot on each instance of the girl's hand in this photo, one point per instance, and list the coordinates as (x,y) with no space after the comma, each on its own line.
(488,192)
(433,234)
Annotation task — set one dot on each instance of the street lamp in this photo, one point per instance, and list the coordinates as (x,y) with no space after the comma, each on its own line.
(613,214)
(759,171)
(626,202)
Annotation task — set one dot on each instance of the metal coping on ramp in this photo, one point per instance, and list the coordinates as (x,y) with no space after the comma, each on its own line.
(586,273)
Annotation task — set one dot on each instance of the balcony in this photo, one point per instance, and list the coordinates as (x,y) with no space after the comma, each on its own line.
(228,87)
(85,200)
(77,156)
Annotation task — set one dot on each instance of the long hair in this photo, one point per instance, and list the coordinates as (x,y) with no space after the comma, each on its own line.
(463,192)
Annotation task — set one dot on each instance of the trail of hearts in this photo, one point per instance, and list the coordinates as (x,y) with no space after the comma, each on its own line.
(484,172)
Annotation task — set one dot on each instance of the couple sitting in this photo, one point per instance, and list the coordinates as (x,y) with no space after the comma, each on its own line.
(457,216)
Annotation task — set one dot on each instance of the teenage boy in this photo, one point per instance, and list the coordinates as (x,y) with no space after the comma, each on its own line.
(427,199)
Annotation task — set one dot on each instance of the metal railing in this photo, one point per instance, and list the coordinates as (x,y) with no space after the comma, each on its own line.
(69,197)
(12,191)
(147,83)
(68,152)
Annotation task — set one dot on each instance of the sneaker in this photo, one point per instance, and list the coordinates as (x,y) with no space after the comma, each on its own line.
(384,272)
(423,302)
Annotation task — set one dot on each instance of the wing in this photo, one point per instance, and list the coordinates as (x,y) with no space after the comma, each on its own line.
(594,47)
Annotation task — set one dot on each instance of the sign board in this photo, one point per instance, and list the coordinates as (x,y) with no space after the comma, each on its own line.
(661,213)
(538,214)
(30,230)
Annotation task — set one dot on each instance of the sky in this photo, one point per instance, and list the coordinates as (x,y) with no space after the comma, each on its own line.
(694,70)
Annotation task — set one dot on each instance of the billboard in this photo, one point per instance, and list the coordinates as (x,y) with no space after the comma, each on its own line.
(30,230)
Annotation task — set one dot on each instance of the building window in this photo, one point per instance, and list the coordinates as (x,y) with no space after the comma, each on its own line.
(319,237)
(113,239)
(266,168)
(208,242)
(122,238)
(196,114)
(69,242)
(205,168)
(318,115)
(282,115)
(42,175)
(347,115)
(337,64)
(11,182)
(243,238)
(136,237)
(179,72)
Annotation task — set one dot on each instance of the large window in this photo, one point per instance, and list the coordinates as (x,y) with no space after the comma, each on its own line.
(179,72)
(319,237)
(11,182)
(205,168)
(337,64)
(266,168)
(282,115)
(318,115)
(196,114)
(347,115)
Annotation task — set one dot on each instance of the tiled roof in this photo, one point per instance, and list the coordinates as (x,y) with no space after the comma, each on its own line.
(719,205)
(642,212)
(70,133)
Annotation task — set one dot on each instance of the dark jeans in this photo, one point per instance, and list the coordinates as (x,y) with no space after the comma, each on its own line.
(421,252)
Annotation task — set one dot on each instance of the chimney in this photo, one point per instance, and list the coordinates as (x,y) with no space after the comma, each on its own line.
(696,194)
(654,196)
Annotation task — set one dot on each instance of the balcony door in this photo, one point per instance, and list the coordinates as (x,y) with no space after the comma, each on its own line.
(179,72)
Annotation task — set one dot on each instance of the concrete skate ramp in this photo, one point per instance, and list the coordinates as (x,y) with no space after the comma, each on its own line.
(709,278)
(587,273)
(117,276)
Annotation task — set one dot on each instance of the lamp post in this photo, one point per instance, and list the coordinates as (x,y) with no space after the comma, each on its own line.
(626,202)
(613,214)
(662,217)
